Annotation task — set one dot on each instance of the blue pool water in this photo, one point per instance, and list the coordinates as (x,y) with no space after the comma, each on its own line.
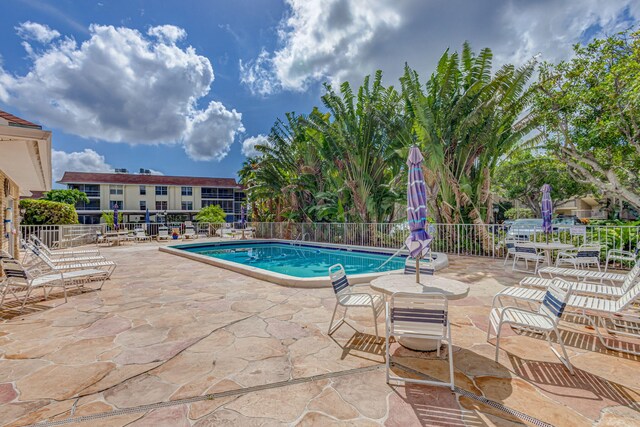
(297,261)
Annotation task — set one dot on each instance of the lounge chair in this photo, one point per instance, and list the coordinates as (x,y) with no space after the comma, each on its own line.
(18,279)
(140,235)
(35,250)
(583,257)
(544,321)
(423,316)
(621,256)
(527,253)
(346,298)
(588,274)
(163,233)
(616,316)
(58,253)
(189,233)
(102,266)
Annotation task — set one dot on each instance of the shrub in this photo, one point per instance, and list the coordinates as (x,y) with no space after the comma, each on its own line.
(514,213)
(211,214)
(45,212)
(107,218)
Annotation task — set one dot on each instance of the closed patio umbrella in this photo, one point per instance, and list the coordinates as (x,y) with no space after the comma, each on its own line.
(147,219)
(547,210)
(115,216)
(418,240)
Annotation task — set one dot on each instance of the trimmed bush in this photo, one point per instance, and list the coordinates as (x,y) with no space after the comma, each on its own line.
(45,212)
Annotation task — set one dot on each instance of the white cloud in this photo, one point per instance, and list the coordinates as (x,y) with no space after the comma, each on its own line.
(121,86)
(249,145)
(33,31)
(340,40)
(77,161)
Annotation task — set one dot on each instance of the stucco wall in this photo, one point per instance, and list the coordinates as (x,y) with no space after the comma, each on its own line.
(13,192)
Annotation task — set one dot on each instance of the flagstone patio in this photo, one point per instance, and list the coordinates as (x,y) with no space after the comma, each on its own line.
(218,348)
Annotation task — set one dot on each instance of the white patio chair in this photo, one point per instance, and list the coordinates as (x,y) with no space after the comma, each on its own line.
(423,316)
(588,274)
(527,253)
(33,250)
(189,233)
(346,298)
(510,246)
(544,321)
(621,256)
(619,316)
(583,257)
(97,268)
(163,233)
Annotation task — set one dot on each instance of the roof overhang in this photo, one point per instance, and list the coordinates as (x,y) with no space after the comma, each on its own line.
(25,157)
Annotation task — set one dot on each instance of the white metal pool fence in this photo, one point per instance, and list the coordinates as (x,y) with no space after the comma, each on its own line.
(458,239)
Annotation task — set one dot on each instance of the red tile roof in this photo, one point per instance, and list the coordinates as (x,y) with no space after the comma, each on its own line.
(35,194)
(17,121)
(128,178)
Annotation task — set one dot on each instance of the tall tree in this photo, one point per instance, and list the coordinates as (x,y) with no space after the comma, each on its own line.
(465,120)
(70,197)
(589,108)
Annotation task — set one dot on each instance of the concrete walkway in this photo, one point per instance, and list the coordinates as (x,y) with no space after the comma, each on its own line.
(205,346)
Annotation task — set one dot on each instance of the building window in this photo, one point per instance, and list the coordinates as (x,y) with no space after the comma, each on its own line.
(161,205)
(115,190)
(226,205)
(113,203)
(143,190)
(143,205)
(187,206)
(225,193)
(187,191)
(209,193)
(161,190)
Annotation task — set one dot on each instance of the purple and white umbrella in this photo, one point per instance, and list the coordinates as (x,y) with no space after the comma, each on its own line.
(547,209)
(418,241)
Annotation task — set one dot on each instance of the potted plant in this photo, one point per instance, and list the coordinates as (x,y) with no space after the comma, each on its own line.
(174,234)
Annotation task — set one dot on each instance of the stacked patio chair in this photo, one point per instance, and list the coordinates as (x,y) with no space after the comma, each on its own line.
(32,250)
(510,246)
(347,298)
(425,266)
(423,316)
(544,321)
(583,257)
(617,316)
(526,253)
(621,256)
(57,253)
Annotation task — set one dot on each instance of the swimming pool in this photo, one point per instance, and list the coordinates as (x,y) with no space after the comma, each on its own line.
(299,260)
(285,263)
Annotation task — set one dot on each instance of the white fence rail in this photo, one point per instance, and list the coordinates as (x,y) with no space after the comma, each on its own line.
(459,239)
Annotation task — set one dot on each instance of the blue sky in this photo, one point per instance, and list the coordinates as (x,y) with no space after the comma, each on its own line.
(186,88)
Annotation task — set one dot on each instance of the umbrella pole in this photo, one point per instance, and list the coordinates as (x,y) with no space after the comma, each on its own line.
(417,269)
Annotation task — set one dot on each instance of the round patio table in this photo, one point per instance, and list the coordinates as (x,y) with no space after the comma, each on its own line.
(391,283)
(548,248)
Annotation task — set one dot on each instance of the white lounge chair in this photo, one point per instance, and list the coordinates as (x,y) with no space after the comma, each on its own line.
(163,233)
(101,266)
(527,253)
(423,316)
(544,321)
(588,274)
(33,250)
(62,254)
(616,316)
(621,256)
(346,298)
(140,235)
(596,289)
(189,232)
(583,257)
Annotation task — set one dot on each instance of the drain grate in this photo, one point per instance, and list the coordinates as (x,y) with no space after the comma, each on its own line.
(238,392)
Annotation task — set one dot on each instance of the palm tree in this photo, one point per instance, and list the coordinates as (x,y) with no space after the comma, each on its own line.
(465,120)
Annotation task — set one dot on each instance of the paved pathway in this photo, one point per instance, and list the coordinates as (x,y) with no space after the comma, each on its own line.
(215,347)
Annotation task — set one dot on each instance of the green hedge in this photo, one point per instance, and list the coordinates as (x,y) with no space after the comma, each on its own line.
(45,212)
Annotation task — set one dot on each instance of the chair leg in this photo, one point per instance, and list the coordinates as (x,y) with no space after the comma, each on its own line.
(565,359)
(498,340)
(451,375)
(386,351)
(332,327)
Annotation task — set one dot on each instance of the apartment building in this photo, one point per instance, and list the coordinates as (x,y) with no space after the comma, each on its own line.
(25,165)
(177,197)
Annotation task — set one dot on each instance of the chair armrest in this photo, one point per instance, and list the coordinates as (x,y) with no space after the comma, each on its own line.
(364,294)
(620,252)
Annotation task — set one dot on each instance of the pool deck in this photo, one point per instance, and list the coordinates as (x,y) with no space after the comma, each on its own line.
(206,346)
